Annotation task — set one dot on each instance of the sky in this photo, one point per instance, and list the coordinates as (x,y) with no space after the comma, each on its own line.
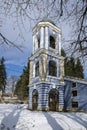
(15,60)
(21,35)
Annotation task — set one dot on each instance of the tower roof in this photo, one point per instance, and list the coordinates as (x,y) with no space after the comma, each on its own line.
(46,22)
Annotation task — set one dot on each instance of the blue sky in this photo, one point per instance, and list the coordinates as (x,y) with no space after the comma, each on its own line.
(15,60)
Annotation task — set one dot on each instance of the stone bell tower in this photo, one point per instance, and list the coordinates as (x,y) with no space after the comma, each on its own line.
(46,68)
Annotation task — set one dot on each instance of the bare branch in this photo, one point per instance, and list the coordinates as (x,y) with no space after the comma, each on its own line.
(5,40)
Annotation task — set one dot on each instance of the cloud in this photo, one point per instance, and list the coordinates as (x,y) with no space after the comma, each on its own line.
(15,60)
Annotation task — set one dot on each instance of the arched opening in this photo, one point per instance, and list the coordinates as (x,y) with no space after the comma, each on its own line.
(52,68)
(37,69)
(53,100)
(35,99)
(38,42)
(52,42)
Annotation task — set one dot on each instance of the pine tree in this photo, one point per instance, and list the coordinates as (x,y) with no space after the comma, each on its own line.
(79,69)
(72,68)
(22,84)
(65,61)
(3,75)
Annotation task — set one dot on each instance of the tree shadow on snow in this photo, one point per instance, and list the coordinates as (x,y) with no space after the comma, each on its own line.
(9,121)
(76,118)
(52,122)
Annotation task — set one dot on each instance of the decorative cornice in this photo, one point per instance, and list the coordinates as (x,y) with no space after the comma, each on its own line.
(46,24)
(47,52)
(46,82)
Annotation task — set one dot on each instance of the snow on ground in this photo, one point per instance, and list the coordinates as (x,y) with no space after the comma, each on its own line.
(17,117)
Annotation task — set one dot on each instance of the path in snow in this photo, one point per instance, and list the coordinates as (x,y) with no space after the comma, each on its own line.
(17,117)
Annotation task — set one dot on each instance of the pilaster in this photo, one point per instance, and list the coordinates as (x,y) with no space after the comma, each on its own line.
(59,44)
(33,44)
(62,70)
(43,67)
(42,38)
(46,38)
(61,100)
(30,73)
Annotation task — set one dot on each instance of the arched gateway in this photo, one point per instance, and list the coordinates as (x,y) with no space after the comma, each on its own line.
(46,86)
(53,100)
(34,99)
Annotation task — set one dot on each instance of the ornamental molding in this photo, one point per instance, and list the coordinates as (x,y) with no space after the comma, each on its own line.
(47,52)
(46,24)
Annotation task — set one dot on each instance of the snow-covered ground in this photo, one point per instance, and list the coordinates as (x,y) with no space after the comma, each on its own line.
(17,117)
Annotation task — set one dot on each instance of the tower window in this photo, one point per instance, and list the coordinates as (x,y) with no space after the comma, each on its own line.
(38,43)
(37,69)
(75,104)
(74,93)
(52,42)
(52,68)
(73,84)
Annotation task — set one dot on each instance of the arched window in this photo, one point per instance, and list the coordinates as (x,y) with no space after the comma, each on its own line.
(37,69)
(52,68)
(52,42)
(38,42)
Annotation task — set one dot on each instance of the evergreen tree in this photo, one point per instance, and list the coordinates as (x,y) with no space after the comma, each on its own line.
(63,53)
(65,61)
(71,68)
(3,75)
(22,84)
(79,69)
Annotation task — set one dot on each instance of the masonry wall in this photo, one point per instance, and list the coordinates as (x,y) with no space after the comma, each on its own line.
(43,95)
(81,97)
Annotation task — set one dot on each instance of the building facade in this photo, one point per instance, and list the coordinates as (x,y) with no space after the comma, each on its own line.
(75,94)
(48,89)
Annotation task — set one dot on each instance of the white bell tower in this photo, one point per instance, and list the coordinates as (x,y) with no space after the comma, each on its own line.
(46,65)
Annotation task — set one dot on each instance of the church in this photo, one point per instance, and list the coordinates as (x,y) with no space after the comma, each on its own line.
(49,89)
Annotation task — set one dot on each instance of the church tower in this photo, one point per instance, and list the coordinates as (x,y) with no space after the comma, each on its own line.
(46,84)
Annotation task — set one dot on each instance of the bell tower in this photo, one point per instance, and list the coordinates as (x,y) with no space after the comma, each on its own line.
(46,68)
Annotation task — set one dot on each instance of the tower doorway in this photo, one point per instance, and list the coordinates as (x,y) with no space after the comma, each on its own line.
(53,100)
(35,99)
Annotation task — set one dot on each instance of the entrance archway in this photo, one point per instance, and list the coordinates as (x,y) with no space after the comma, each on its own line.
(35,99)
(53,100)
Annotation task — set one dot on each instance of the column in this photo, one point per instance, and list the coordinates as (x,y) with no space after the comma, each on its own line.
(42,38)
(62,70)
(61,100)
(43,97)
(30,98)
(46,38)
(30,76)
(33,44)
(43,67)
(59,44)
(33,70)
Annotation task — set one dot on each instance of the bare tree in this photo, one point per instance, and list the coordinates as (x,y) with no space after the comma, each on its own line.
(74,11)
(11,82)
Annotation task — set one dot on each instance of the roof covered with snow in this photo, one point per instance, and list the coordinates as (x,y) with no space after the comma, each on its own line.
(75,79)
